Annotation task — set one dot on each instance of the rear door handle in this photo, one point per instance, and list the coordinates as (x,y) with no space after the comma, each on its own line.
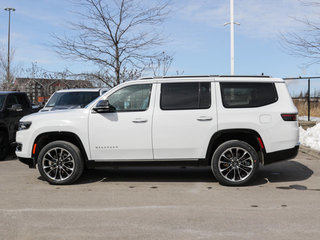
(139,120)
(204,118)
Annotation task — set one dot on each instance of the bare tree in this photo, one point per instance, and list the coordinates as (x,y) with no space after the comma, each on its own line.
(115,35)
(40,83)
(161,64)
(7,79)
(305,44)
(103,78)
(37,74)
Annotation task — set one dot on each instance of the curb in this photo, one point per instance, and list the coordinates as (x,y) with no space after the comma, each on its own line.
(309,151)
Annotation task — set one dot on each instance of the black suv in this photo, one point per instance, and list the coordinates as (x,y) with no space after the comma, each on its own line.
(13,106)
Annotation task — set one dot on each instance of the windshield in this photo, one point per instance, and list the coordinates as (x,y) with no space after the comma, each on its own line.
(2,98)
(66,99)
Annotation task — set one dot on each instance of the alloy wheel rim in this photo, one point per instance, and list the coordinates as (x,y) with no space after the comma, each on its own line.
(235,164)
(58,164)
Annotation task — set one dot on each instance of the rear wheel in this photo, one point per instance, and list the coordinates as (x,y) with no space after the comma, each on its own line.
(60,163)
(235,163)
(4,144)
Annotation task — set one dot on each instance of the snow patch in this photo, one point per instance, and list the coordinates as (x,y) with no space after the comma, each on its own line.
(310,137)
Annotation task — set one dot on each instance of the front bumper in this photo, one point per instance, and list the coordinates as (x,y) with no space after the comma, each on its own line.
(281,155)
(24,140)
(28,161)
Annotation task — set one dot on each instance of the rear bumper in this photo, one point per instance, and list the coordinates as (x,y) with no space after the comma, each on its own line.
(281,155)
(28,161)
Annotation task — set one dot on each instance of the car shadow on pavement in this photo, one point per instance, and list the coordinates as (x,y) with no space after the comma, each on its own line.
(286,171)
(278,172)
(148,174)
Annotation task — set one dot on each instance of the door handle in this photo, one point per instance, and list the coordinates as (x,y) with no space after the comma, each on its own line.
(139,120)
(204,118)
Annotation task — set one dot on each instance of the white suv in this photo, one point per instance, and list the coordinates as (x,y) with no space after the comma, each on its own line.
(231,123)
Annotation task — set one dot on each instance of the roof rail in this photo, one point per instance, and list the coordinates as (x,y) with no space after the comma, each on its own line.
(253,76)
(202,76)
(179,76)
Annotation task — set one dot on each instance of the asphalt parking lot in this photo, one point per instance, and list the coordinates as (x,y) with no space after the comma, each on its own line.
(162,203)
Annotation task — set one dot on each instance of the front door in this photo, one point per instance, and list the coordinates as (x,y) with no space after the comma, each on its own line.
(124,134)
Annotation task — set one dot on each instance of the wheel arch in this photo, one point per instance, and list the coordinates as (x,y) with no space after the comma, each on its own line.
(249,136)
(45,138)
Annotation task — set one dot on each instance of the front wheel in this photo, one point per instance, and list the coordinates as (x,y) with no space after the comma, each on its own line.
(235,163)
(60,162)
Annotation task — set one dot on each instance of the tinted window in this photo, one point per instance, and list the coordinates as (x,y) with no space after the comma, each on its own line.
(11,100)
(179,96)
(22,99)
(131,98)
(247,95)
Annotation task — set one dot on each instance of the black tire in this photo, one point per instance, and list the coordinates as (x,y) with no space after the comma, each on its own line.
(55,161)
(4,145)
(235,163)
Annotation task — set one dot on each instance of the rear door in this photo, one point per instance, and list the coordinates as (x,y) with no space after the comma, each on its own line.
(184,120)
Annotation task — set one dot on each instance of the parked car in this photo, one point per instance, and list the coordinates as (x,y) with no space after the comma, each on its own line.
(72,98)
(13,106)
(231,123)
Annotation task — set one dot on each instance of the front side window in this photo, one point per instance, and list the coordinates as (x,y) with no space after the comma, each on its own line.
(23,101)
(131,98)
(12,100)
(183,96)
(247,95)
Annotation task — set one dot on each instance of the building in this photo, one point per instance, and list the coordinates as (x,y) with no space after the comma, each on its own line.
(40,89)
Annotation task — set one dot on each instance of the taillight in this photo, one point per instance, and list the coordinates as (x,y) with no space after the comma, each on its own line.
(289,116)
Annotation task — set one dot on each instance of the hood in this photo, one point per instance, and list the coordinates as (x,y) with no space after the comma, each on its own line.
(58,115)
(46,109)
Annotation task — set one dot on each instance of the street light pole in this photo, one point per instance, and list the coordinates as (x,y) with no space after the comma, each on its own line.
(232,22)
(231,38)
(8,67)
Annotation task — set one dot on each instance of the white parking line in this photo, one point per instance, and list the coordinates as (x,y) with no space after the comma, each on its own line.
(85,209)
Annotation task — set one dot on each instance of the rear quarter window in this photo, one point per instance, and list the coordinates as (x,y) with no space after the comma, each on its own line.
(247,95)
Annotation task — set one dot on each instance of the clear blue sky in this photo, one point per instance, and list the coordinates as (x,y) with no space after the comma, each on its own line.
(195,33)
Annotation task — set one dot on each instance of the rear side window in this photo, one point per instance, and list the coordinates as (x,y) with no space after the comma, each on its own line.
(182,96)
(247,95)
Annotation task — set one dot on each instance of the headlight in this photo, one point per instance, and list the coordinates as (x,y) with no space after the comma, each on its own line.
(24,125)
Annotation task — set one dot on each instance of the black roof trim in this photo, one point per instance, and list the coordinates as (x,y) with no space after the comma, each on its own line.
(203,76)
(251,76)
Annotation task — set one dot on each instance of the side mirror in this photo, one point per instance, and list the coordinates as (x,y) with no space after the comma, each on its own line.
(103,106)
(15,108)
